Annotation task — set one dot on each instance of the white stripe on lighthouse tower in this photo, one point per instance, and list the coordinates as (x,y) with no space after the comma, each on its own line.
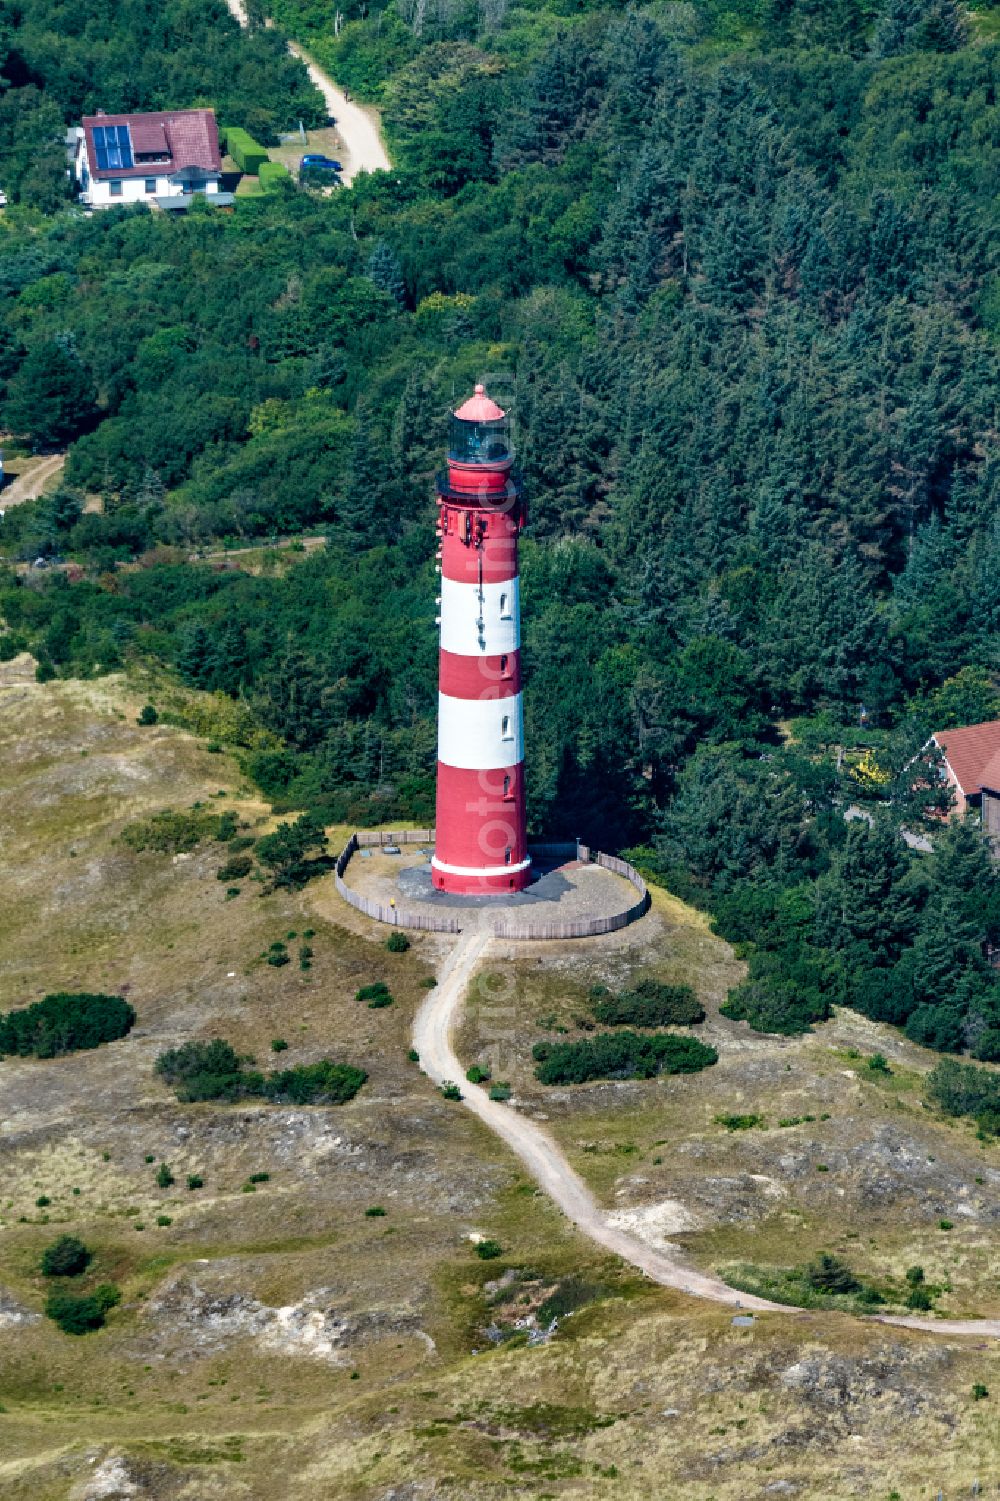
(483,733)
(480,621)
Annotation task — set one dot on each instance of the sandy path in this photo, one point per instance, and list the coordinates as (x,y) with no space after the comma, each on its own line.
(545,1162)
(357,126)
(30,485)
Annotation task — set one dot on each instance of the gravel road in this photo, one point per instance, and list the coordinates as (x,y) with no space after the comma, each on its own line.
(31,484)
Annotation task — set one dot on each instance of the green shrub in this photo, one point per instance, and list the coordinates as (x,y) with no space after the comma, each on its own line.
(66,1257)
(174,832)
(397,943)
(569,1295)
(323,1083)
(235,868)
(413,1056)
(273,177)
(65,1022)
(203,1071)
(278,958)
(214,1071)
(915,1275)
(259,1178)
(147,715)
(278,1045)
(877,1064)
(739,1122)
(164,1177)
(43,1201)
(82,1315)
(195,1180)
(375,1212)
(501,1092)
(243,149)
(294,853)
(830,1275)
(650,1004)
(920,1298)
(372,992)
(477,1074)
(450,1090)
(946,1225)
(488,1250)
(620,1055)
(979,1391)
(964,1089)
(163,1220)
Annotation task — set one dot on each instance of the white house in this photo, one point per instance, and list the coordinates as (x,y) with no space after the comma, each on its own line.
(162,159)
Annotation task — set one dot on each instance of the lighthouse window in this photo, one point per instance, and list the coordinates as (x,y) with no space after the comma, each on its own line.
(506,787)
(505,727)
(504,669)
(506,855)
(505,607)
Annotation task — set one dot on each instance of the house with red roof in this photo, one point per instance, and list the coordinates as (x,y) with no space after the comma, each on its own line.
(971,762)
(163,159)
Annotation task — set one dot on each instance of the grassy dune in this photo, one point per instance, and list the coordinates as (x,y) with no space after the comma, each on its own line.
(284,1343)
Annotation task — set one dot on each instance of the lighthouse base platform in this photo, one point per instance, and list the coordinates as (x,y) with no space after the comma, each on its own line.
(566,896)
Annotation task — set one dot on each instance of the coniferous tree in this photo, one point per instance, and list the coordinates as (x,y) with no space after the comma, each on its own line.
(384,270)
(194,656)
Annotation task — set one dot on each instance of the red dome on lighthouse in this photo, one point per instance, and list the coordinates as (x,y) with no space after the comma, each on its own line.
(480,408)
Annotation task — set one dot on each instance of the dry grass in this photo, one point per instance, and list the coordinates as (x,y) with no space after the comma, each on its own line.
(644,1394)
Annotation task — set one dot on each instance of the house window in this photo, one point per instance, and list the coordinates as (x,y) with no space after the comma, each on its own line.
(505,727)
(150,184)
(115,188)
(505,607)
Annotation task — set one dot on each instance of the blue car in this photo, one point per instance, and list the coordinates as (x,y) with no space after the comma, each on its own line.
(321,163)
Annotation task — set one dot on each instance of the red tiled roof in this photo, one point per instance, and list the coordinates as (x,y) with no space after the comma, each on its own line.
(189,135)
(969,751)
(990,774)
(148,136)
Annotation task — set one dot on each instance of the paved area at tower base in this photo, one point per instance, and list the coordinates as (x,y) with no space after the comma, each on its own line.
(559,892)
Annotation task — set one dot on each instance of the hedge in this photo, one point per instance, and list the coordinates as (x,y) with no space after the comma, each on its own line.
(272,176)
(243,149)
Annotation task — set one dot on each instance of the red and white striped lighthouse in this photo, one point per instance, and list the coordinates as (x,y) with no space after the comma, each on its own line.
(481,843)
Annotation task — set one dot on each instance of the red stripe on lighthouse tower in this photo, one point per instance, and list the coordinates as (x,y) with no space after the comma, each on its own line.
(481,843)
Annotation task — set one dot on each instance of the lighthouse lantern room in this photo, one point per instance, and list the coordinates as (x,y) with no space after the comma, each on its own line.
(481,844)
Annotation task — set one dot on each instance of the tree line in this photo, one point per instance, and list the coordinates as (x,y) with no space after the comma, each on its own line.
(734,268)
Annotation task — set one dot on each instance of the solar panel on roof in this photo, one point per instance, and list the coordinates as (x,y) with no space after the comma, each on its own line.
(113,146)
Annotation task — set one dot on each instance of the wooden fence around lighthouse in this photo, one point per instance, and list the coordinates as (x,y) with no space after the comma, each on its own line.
(510,927)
